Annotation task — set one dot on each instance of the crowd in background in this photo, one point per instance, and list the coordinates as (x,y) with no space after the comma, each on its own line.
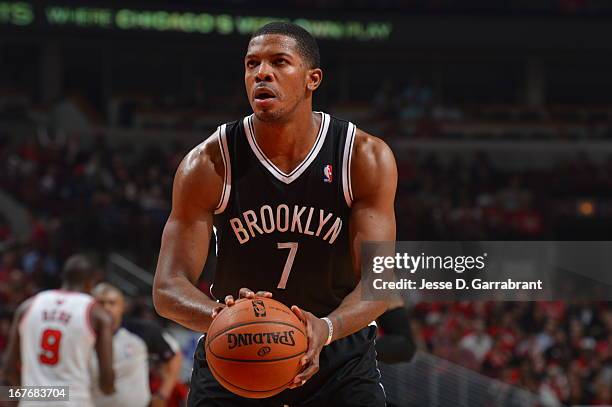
(411,108)
(559,350)
(96,195)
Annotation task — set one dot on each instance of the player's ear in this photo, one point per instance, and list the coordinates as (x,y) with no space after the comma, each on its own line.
(315,76)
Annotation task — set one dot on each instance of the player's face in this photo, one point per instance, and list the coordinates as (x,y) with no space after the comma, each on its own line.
(276,77)
(112,302)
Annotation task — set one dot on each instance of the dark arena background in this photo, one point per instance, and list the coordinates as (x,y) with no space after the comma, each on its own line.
(499,114)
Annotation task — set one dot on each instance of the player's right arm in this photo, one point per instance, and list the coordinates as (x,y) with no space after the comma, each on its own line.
(198,185)
(12,354)
(102,324)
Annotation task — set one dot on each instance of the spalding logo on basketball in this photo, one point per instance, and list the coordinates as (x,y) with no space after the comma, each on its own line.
(253,348)
(282,338)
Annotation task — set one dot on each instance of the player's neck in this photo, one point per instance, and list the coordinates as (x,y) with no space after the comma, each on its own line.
(291,138)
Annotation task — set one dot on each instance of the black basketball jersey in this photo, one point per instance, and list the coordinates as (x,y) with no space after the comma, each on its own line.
(286,233)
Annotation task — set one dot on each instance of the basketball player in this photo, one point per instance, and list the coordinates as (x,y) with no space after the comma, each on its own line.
(292,193)
(55,335)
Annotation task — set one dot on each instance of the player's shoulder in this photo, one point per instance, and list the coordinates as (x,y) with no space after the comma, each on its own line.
(369,149)
(25,306)
(372,165)
(39,297)
(201,174)
(207,158)
(203,158)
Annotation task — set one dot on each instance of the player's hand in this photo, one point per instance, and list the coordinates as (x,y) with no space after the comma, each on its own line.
(246,293)
(243,293)
(316,332)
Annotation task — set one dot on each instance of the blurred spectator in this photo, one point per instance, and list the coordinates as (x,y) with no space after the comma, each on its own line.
(134,343)
(415,100)
(478,342)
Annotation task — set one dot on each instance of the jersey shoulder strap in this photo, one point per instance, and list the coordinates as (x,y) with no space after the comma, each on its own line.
(226,136)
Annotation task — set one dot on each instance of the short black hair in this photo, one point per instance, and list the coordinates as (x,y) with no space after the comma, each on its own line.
(306,44)
(77,270)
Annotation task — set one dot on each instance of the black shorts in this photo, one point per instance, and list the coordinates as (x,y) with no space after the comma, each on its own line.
(348,376)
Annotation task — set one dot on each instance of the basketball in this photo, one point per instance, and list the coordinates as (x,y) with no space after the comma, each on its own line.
(254,347)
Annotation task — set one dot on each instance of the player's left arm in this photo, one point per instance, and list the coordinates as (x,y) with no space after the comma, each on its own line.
(12,354)
(374,175)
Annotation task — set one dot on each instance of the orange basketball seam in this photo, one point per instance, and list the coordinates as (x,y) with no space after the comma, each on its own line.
(256,360)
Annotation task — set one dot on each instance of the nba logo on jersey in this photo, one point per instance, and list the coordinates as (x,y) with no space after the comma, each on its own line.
(327,173)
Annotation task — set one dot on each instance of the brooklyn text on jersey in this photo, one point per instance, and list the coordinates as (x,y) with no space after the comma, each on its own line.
(299,219)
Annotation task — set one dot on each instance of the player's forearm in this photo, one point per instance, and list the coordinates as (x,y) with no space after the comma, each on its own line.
(103,325)
(179,300)
(353,314)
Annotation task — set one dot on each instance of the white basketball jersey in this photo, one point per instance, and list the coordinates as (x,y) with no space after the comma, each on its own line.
(57,345)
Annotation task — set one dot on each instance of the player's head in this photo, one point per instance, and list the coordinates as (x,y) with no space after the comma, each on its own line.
(78,273)
(112,300)
(281,70)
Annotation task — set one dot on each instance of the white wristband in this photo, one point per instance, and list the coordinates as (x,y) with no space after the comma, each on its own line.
(330,327)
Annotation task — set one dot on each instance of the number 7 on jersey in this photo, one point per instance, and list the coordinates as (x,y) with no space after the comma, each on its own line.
(292,246)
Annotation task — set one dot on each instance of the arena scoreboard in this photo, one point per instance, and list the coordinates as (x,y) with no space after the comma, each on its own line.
(51,16)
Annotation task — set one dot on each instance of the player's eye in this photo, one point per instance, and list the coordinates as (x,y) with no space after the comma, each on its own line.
(251,63)
(280,61)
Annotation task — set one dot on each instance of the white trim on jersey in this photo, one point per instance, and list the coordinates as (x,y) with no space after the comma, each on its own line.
(269,165)
(346,164)
(227,179)
(211,292)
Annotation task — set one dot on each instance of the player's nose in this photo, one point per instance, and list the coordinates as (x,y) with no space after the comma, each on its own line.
(264,73)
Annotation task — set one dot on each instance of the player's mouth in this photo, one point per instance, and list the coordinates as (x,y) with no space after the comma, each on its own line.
(263,96)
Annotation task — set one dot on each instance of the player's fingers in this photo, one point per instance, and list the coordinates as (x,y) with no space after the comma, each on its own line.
(306,374)
(266,294)
(229,300)
(296,385)
(299,313)
(311,353)
(216,312)
(246,293)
